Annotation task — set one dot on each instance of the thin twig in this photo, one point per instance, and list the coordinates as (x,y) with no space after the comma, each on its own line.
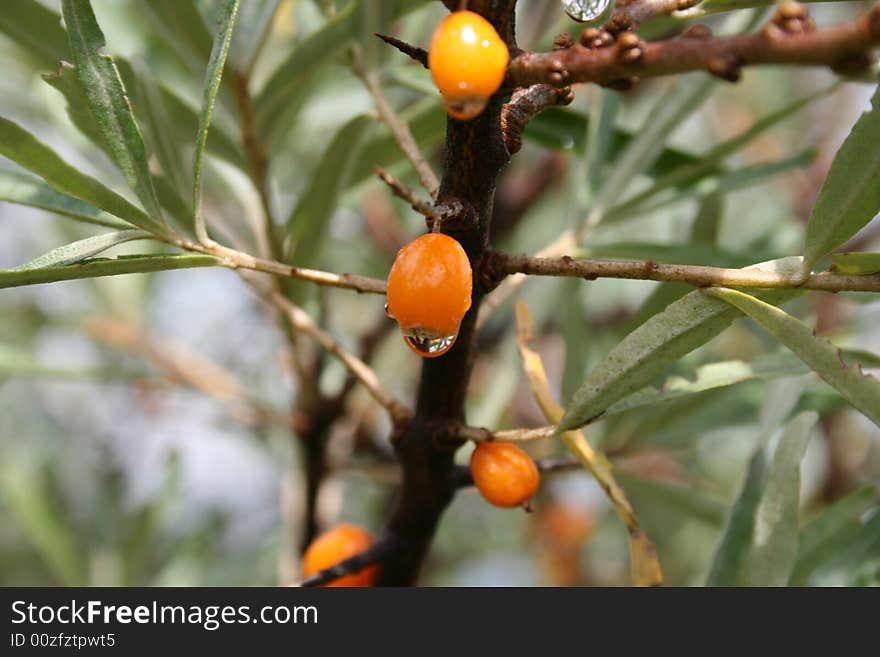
(480,435)
(402,191)
(302,322)
(399,129)
(237,260)
(696,275)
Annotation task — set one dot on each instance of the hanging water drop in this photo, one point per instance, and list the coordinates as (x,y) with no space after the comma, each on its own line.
(430,347)
(585,11)
(388,312)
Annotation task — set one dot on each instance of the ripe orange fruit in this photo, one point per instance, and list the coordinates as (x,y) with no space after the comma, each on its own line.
(337,545)
(429,292)
(504,474)
(468,61)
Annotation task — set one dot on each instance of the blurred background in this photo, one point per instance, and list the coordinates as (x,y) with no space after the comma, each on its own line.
(144,434)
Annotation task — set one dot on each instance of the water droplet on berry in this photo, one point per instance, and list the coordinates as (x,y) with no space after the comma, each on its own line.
(388,312)
(585,10)
(465,108)
(430,347)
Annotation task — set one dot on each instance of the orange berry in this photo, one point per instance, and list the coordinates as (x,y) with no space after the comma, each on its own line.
(337,545)
(429,292)
(504,474)
(468,61)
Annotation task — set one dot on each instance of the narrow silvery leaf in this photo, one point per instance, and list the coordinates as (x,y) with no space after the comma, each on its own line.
(109,104)
(82,249)
(27,190)
(850,197)
(213,76)
(105,267)
(860,390)
(23,148)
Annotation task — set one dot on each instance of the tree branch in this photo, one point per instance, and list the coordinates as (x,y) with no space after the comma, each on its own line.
(526,104)
(696,275)
(721,56)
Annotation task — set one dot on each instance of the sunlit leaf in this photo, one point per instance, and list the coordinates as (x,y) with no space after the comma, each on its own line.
(861,390)
(664,338)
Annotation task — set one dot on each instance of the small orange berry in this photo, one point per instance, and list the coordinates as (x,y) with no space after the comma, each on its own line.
(504,474)
(337,545)
(429,292)
(468,61)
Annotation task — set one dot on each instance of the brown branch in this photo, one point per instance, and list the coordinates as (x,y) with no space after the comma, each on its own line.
(697,275)
(525,104)
(721,56)
(403,192)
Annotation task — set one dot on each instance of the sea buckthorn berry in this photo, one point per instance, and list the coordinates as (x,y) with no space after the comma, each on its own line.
(335,546)
(468,61)
(504,474)
(429,292)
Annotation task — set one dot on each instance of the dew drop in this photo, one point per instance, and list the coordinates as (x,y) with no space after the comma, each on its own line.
(388,312)
(585,10)
(430,347)
(465,108)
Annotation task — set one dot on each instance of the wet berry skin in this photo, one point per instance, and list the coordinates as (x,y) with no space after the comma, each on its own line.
(468,61)
(429,292)
(336,545)
(505,475)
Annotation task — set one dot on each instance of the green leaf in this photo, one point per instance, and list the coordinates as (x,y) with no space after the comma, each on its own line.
(850,197)
(707,223)
(109,105)
(828,534)
(26,190)
(64,80)
(727,373)
(82,249)
(309,221)
(306,59)
(274,105)
(26,150)
(254,22)
(685,325)
(565,130)
(678,102)
(774,549)
(181,25)
(725,181)
(692,253)
(856,264)
(36,28)
(860,390)
(105,267)
(683,500)
(26,498)
(426,121)
(710,163)
(759,544)
(213,75)
(857,561)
